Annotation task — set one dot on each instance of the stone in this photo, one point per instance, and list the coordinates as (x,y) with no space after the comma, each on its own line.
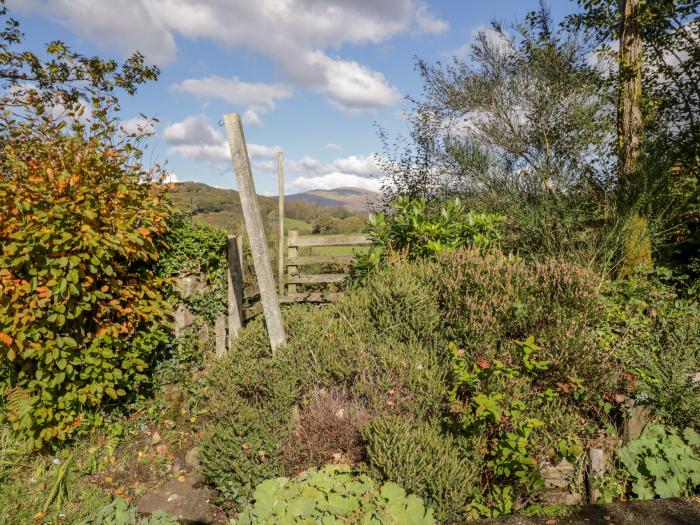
(188,501)
(636,418)
(559,475)
(596,471)
(192,458)
(182,318)
(189,285)
(561,497)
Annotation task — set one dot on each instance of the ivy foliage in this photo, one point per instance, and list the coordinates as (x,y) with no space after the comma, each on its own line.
(197,250)
(193,249)
(334,494)
(663,462)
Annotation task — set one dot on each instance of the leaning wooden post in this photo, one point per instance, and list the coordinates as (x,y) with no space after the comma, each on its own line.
(280,230)
(292,252)
(254,226)
(234,276)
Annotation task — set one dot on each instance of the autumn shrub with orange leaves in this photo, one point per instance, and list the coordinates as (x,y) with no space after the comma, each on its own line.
(81,309)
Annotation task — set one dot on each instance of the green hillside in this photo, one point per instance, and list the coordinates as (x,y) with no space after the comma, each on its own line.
(221,208)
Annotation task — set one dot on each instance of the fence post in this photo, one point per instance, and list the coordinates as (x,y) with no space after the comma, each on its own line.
(220,334)
(254,226)
(234,277)
(292,252)
(280,233)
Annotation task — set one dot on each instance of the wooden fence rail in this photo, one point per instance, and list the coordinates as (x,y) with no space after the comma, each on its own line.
(294,260)
(244,301)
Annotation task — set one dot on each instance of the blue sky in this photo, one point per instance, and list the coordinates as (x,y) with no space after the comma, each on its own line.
(310,77)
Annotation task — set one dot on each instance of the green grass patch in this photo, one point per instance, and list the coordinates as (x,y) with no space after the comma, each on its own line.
(296,224)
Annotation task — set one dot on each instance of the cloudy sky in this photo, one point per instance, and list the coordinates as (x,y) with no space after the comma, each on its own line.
(309,77)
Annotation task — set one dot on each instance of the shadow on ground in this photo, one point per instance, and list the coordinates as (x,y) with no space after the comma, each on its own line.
(677,511)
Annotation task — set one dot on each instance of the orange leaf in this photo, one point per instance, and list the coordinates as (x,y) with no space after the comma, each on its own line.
(6,338)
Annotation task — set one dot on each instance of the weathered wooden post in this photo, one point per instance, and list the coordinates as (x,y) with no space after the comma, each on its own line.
(220,335)
(280,230)
(292,252)
(254,226)
(234,277)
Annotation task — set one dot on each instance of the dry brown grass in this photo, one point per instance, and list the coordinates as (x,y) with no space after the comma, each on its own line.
(326,430)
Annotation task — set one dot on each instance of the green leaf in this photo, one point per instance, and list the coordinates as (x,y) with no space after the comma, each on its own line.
(392,491)
(691,437)
(642,489)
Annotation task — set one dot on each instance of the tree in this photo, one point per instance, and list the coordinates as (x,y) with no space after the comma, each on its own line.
(629,111)
(520,127)
(528,98)
(81,308)
(657,74)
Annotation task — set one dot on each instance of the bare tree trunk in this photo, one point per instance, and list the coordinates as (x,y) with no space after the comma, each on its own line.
(636,251)
(629,112)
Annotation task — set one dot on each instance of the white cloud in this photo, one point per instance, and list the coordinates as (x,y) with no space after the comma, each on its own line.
(332,146)
(251,118)
(138,125)
(261,151)
(350,86)
(195,138)
(494,39)
(427,22)
(297,35)
(333,180)
(170,178)
(253,94)
(365,166)
(257,97)
(128,25)
(195,129)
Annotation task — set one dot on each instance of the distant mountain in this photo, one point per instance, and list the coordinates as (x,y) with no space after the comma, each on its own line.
(356,199)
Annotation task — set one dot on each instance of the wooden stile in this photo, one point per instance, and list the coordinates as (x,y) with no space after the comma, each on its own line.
(254,226)
(234,256)
(292,254)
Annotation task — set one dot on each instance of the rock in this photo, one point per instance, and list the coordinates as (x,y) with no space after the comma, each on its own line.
(192,458)
(188,501)
(189,285)
(203,332)
(636,419)
(182,318)
(560,497)
(559,475)
(596,471)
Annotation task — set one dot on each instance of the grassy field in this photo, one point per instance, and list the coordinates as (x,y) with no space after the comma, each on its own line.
(338,250)
(296,224)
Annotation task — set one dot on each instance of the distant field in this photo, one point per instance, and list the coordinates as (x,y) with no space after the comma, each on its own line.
(296,224)
(339,250)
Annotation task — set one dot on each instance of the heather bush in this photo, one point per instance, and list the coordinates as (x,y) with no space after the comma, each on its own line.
(426,461)
(656,332)
(326,430)
(478,365)
(489,300)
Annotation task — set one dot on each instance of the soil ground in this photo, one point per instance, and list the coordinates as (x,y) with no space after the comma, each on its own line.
(677,511)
